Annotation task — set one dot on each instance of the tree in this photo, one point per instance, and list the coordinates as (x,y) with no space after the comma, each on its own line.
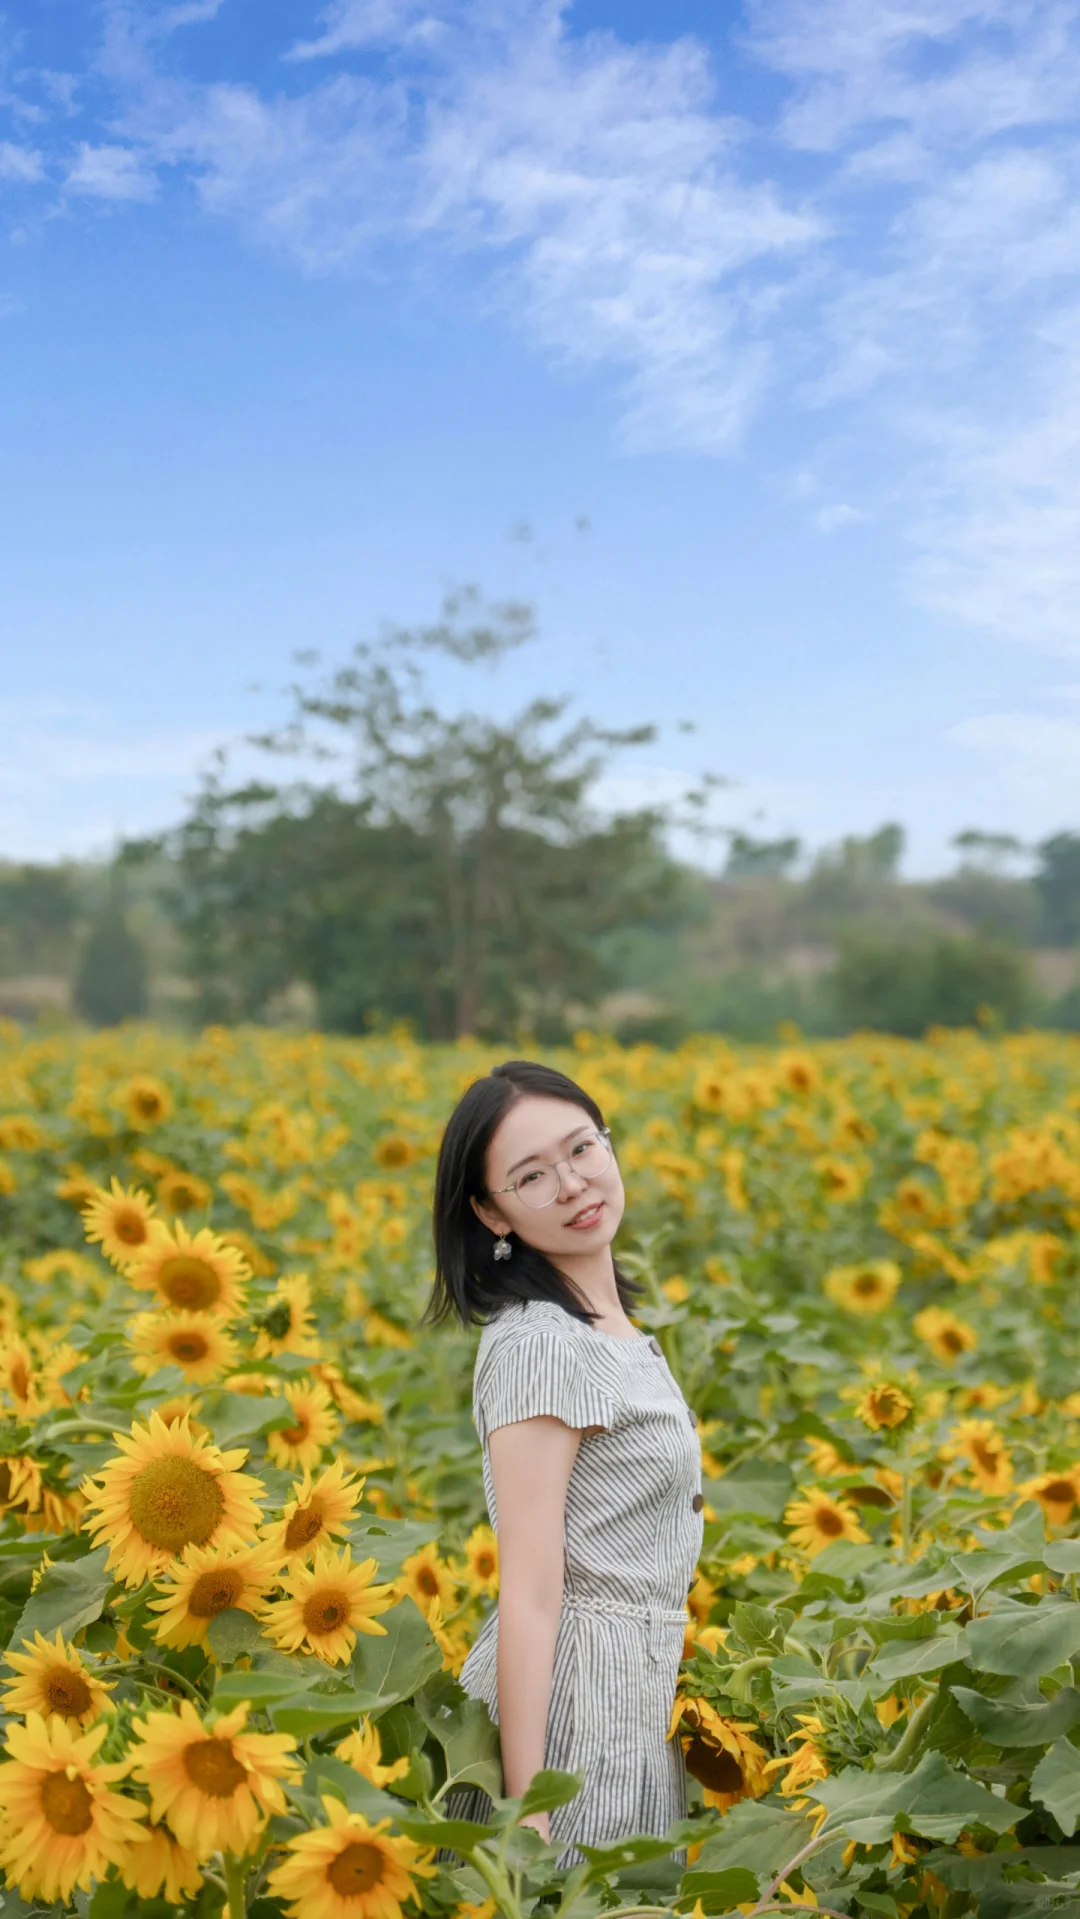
(453,870)
(905,985)
(111,978)
(987,852)
(749,858)
(38,911)
(1057,882)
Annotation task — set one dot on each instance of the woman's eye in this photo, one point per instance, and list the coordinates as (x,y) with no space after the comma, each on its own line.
(527,1177)
(583,1146)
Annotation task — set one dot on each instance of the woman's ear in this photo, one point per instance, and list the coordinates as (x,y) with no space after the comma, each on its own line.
(489,1216)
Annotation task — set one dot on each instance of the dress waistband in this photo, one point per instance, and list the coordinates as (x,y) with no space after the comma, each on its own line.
(623,1609)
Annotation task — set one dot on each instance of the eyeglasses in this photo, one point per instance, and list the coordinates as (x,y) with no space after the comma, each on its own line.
(540,1185)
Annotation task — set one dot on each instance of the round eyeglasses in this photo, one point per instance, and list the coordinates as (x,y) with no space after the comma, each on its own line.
(540,1185)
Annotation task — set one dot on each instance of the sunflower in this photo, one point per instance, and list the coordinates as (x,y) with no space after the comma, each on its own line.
(393,1151)
(52,1679)
(63,1825)
(146,1102)
(316,1425)
(362,1750)
(254,1257)
(168,1490)
(287,1324)
(212,1782)
(198,1343)
(196,1272)
(807,1764)
(327,1605)
(841,1180)
(159,1867)
(120,1219)
(347,1869)
(481,1573)
(946,1335)
(425,1577)
(884,1404)
(979,1442)
(17,1381)
(721,1754)
(182,1192)
(1057,1493)
(206,1581)
(319,1511)
(20,1484)
(351,1404)
(865,1289)
(818,1520)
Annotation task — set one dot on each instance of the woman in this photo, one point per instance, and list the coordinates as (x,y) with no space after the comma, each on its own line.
(592,1468)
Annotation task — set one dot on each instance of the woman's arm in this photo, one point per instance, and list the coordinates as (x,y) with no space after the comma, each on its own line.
(531,1463)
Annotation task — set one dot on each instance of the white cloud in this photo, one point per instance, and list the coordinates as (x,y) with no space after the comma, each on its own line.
(22,165)
(111,173)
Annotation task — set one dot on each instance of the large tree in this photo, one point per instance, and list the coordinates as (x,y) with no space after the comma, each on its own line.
(448,868)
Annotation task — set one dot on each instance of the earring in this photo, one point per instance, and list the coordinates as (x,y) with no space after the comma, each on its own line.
(502,1248)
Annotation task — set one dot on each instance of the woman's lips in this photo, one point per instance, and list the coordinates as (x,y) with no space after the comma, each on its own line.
(587,1218)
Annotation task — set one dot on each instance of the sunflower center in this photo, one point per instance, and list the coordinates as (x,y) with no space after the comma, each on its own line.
(67,1692)
(175,1504)
(215,1592)
(147,1105)
(829,1522)
(427,1582)
(985,1456)
(305,1525)
(326,1611)
(189,1347)
(1060,1489)
(714,1768)
(129,1227)
(213,1767)
(187,1281)
(296,1435)
(485,1565)
(951,1340)
(355,1870)
(867,1285)
(5,1480)
(67,1805)
(19,1378)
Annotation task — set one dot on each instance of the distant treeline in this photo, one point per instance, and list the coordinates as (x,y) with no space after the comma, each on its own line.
(452,870)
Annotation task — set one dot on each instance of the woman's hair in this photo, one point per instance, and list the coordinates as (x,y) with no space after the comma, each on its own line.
(470,1284)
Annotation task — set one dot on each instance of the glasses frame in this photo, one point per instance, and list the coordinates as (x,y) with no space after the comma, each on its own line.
(600,1132)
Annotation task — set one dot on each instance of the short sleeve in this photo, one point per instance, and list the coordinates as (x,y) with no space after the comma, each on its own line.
(537,1375)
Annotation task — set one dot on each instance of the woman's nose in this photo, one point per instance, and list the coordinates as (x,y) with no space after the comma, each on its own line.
(578,1179)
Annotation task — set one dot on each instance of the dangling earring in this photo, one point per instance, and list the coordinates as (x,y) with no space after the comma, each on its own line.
(503,1248)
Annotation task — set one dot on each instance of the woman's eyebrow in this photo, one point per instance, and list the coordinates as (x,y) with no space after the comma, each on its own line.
(565,1141)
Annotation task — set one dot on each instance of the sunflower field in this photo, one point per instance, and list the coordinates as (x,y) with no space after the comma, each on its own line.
(243,1551)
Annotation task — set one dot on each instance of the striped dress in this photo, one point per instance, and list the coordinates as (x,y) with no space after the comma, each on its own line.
(632,1538)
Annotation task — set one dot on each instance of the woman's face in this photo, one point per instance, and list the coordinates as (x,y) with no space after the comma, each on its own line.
(538,1131)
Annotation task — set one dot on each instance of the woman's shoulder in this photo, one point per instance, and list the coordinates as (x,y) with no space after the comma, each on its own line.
(523,1319)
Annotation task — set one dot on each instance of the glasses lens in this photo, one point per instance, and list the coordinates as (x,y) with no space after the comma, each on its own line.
(538,1187)
(591,1156)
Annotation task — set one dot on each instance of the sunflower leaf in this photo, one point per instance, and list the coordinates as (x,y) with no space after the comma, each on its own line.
(466,1733)
(1055,1783)
(393,1664)
(231,1633)
(1020,1725)
(934,1800)
(548,1789)
(236,1416)
(70,1594)
(1023,1642)
(719,1891)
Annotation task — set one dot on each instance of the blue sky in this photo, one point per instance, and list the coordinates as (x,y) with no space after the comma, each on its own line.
(741,339)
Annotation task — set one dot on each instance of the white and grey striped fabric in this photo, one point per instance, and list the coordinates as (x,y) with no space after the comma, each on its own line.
(632,1538)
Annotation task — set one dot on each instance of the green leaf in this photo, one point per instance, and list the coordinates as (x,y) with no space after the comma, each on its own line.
(980,1570)
(549,1789)
(719,1891)
(259,1689)
(1023,1641)
(69,1595)
(236,1416)
(460,1834)
(1055,1783)
(393,1666)
(231,1633)
(390,1541)
(464,1730)
(935,1800)
(327,1774)
(308,1713)
(1063,1556)
(760,1629)
(763,1837)
(1020,1725)
(904,1658)
(760,1489)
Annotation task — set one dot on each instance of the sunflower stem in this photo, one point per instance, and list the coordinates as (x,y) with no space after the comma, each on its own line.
(897,1759)
(138,1669)
(236,1886)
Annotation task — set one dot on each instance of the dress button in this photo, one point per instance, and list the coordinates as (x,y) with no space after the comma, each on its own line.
(657,1348)
(691,1415)
(698,1501)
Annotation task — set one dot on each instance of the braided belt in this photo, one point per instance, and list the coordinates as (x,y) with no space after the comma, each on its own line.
(624,1610)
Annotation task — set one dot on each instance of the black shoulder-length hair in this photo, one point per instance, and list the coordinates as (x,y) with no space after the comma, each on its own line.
(470,1284)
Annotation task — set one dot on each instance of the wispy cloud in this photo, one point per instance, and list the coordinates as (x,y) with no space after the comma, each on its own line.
(111,173)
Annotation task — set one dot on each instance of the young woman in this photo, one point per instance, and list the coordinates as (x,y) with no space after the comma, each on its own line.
(592,1467)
